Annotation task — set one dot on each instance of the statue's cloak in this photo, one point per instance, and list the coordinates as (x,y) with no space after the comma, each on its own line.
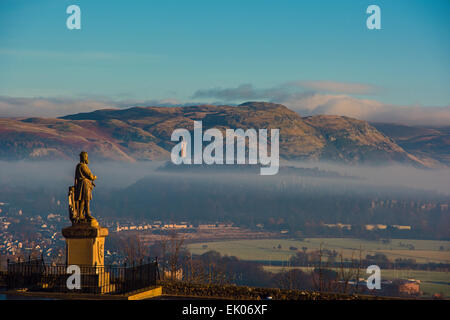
(83,182)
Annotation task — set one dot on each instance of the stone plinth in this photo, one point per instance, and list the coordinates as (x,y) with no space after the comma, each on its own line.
(85,244)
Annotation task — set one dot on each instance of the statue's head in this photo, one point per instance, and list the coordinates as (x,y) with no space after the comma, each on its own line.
(84,157)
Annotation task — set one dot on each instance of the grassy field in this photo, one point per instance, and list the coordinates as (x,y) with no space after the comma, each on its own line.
(267,249)
(431,281)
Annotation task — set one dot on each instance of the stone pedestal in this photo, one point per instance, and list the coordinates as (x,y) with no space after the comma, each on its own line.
(85,244)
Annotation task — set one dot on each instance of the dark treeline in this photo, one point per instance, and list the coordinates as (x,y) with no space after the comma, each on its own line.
(332,259)
(291,203)
(298,203)
(327,271)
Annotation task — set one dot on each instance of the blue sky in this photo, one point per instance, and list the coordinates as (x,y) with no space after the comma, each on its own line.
(171,49)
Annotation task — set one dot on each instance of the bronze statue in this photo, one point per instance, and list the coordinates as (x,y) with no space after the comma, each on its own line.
(81,193)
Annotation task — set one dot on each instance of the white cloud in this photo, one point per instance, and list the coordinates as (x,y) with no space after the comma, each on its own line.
(333,98)
(46,107)
(57,107)
(365,109)
(292,95)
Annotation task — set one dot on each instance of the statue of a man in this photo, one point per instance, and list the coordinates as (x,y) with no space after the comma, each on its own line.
(84,182)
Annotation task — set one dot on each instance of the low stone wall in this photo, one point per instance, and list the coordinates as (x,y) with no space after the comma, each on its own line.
(251,293)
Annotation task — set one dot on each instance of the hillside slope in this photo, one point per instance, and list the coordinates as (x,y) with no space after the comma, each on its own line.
(143,133)
(431,144)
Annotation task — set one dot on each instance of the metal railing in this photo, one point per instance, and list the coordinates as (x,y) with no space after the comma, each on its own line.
(36,275)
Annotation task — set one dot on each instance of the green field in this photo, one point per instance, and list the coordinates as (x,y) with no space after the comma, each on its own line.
(430,281)
(267,249)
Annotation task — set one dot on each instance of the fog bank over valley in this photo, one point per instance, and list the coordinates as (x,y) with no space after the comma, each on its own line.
(117,175)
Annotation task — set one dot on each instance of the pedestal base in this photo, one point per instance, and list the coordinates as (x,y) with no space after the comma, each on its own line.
(85,244)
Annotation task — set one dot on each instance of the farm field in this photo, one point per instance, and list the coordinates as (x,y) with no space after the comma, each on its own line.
(431,281)
(271,250)
(422,251)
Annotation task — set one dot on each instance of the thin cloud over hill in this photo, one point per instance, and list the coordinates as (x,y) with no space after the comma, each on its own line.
(51,107)
(334,98)
(305,97)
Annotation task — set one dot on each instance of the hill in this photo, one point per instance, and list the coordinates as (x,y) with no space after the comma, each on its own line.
(143,133)
(431,144)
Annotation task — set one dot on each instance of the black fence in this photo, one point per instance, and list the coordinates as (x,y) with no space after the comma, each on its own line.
(36,275)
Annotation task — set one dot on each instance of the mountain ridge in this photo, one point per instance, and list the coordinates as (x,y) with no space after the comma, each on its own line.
(143,133)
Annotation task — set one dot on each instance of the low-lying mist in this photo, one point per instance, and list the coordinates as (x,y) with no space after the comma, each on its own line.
(117,175)
(302,196)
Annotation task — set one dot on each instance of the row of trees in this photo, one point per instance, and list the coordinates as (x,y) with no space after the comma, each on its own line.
(335,260)
(297,205)
(320,270)
(176,263)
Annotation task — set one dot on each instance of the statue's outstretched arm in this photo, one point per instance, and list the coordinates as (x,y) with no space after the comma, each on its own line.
(87,173)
